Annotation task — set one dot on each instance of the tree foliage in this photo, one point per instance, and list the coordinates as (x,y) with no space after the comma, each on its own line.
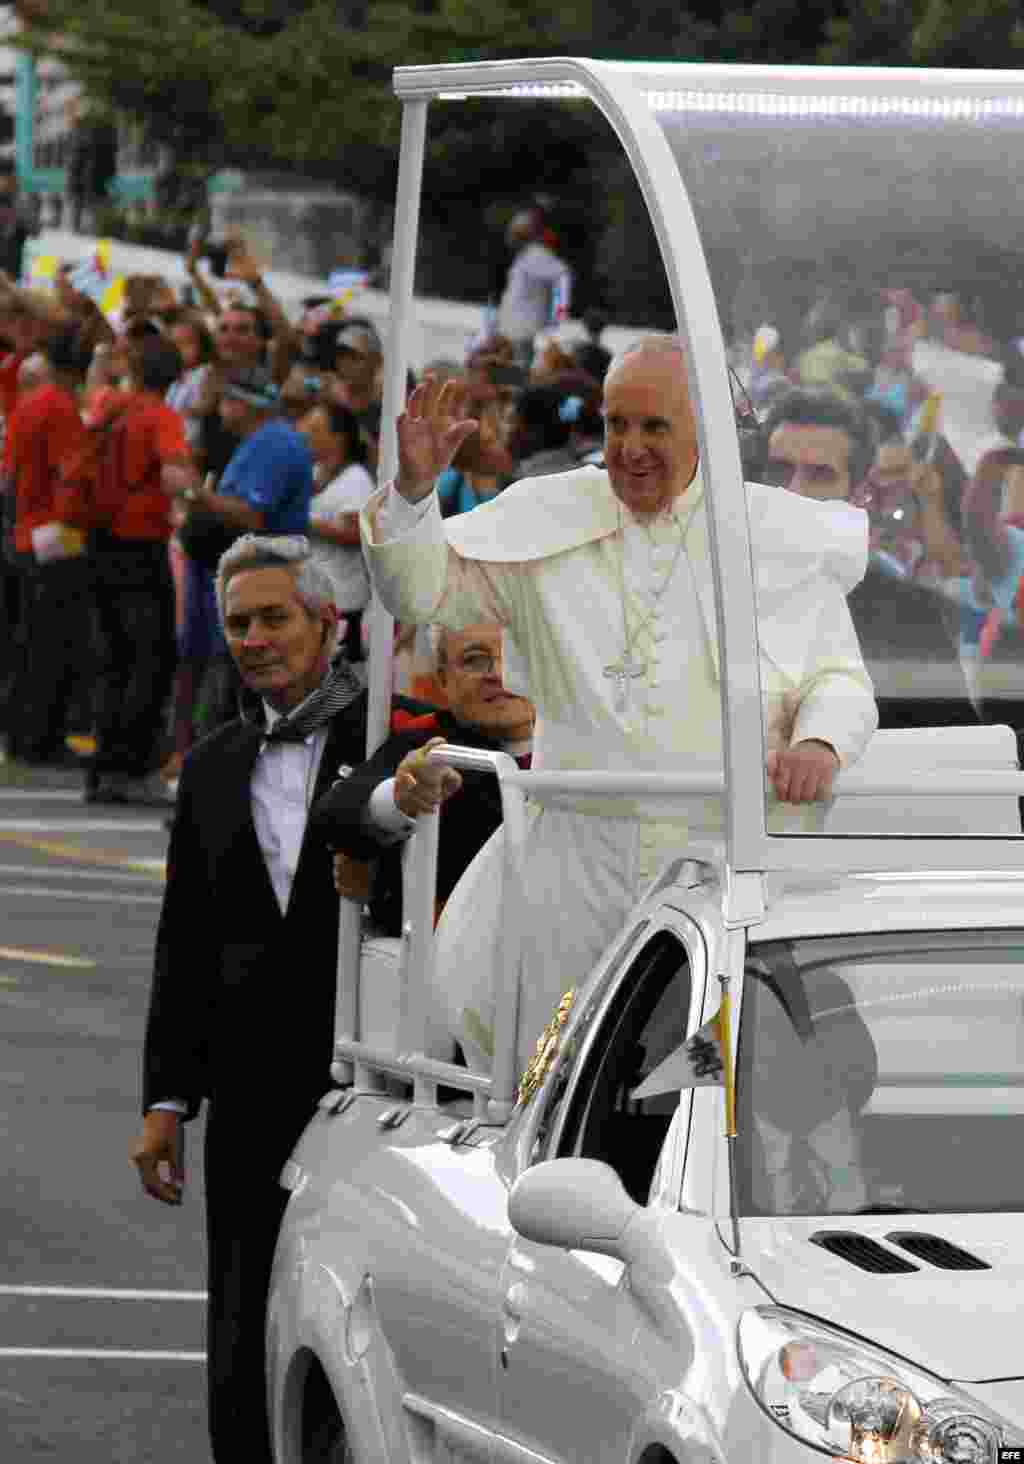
(305,85)
(237,82)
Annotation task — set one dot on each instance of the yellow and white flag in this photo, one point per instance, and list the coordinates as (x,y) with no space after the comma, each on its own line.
(704,1060)
(95,278)
(42,272)
(696,1064)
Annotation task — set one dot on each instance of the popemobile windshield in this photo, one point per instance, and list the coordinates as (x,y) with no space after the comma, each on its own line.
(810,1247)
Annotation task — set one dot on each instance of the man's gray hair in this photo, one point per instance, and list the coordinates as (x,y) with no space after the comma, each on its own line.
(293,552)
(660,343)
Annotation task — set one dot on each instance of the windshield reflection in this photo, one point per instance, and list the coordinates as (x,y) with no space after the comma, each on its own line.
(882,1073)
(866,262)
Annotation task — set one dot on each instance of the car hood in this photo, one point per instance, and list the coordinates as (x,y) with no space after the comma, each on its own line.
(962,1325)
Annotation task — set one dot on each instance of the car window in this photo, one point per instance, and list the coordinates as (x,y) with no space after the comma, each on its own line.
(882,1073)
(576,1039)
(645,1020)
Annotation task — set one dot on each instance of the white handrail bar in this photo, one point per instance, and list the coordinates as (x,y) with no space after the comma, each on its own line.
(419,897)
(419,886)
(507,971)
(409,1066)
(547,787)
(346,987)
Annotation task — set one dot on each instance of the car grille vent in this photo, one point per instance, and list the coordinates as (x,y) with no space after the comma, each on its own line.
(861,1251)
(936,1251)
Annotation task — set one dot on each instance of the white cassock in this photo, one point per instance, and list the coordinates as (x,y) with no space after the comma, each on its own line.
(554,560)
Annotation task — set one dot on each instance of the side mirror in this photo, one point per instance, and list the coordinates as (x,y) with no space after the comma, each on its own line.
(577,1204)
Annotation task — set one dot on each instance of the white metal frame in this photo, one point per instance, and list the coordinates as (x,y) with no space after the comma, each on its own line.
(494,1093)
(627,95)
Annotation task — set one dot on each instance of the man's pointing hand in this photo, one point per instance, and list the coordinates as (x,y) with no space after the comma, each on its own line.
(422,786)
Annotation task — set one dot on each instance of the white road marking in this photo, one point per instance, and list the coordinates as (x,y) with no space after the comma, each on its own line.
(102,1293)
(119,897)
(100,1354)
(40,795)
(45,958)
(111,874)
(83,825)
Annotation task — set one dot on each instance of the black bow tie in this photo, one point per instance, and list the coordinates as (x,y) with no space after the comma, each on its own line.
(339,687)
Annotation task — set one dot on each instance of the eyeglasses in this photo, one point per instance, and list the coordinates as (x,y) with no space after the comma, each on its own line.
(478,663)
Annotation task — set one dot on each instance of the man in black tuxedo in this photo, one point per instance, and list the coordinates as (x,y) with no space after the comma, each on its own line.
(242,1007)
(367,814)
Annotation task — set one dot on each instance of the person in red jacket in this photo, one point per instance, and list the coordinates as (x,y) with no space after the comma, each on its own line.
(44,431)
(142,461)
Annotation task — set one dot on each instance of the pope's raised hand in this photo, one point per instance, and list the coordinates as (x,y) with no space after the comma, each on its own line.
(431,430)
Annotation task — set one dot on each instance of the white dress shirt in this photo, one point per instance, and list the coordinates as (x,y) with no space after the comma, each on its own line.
(282,789)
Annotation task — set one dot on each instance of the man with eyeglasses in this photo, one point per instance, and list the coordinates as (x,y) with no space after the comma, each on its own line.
(369,814)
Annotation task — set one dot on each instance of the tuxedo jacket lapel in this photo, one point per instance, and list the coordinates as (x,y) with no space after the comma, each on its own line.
(236,832)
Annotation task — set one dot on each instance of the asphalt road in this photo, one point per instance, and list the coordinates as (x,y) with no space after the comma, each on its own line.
(101,1288)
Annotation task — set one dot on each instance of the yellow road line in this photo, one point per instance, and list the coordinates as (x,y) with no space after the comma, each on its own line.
(75,852)
(45,958)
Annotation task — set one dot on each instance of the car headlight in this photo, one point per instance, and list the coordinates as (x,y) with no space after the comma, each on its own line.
(854,1401)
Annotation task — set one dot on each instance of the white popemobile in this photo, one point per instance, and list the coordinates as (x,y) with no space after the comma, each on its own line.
(615,1257)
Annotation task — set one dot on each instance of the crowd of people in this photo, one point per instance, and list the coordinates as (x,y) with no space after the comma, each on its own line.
(846,414)
(136,450)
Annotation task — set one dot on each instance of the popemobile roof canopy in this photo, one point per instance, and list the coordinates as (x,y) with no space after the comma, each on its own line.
(723,155)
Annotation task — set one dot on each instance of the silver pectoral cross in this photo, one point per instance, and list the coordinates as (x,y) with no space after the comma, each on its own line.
(622,673)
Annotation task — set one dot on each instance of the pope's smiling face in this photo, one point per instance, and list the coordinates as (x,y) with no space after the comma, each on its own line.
(650,436)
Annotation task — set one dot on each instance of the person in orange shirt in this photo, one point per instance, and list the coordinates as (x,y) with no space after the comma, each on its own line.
(142,462)
(25,322)
(44,431)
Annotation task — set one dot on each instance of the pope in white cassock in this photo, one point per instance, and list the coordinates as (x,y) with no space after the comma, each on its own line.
(602,580)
